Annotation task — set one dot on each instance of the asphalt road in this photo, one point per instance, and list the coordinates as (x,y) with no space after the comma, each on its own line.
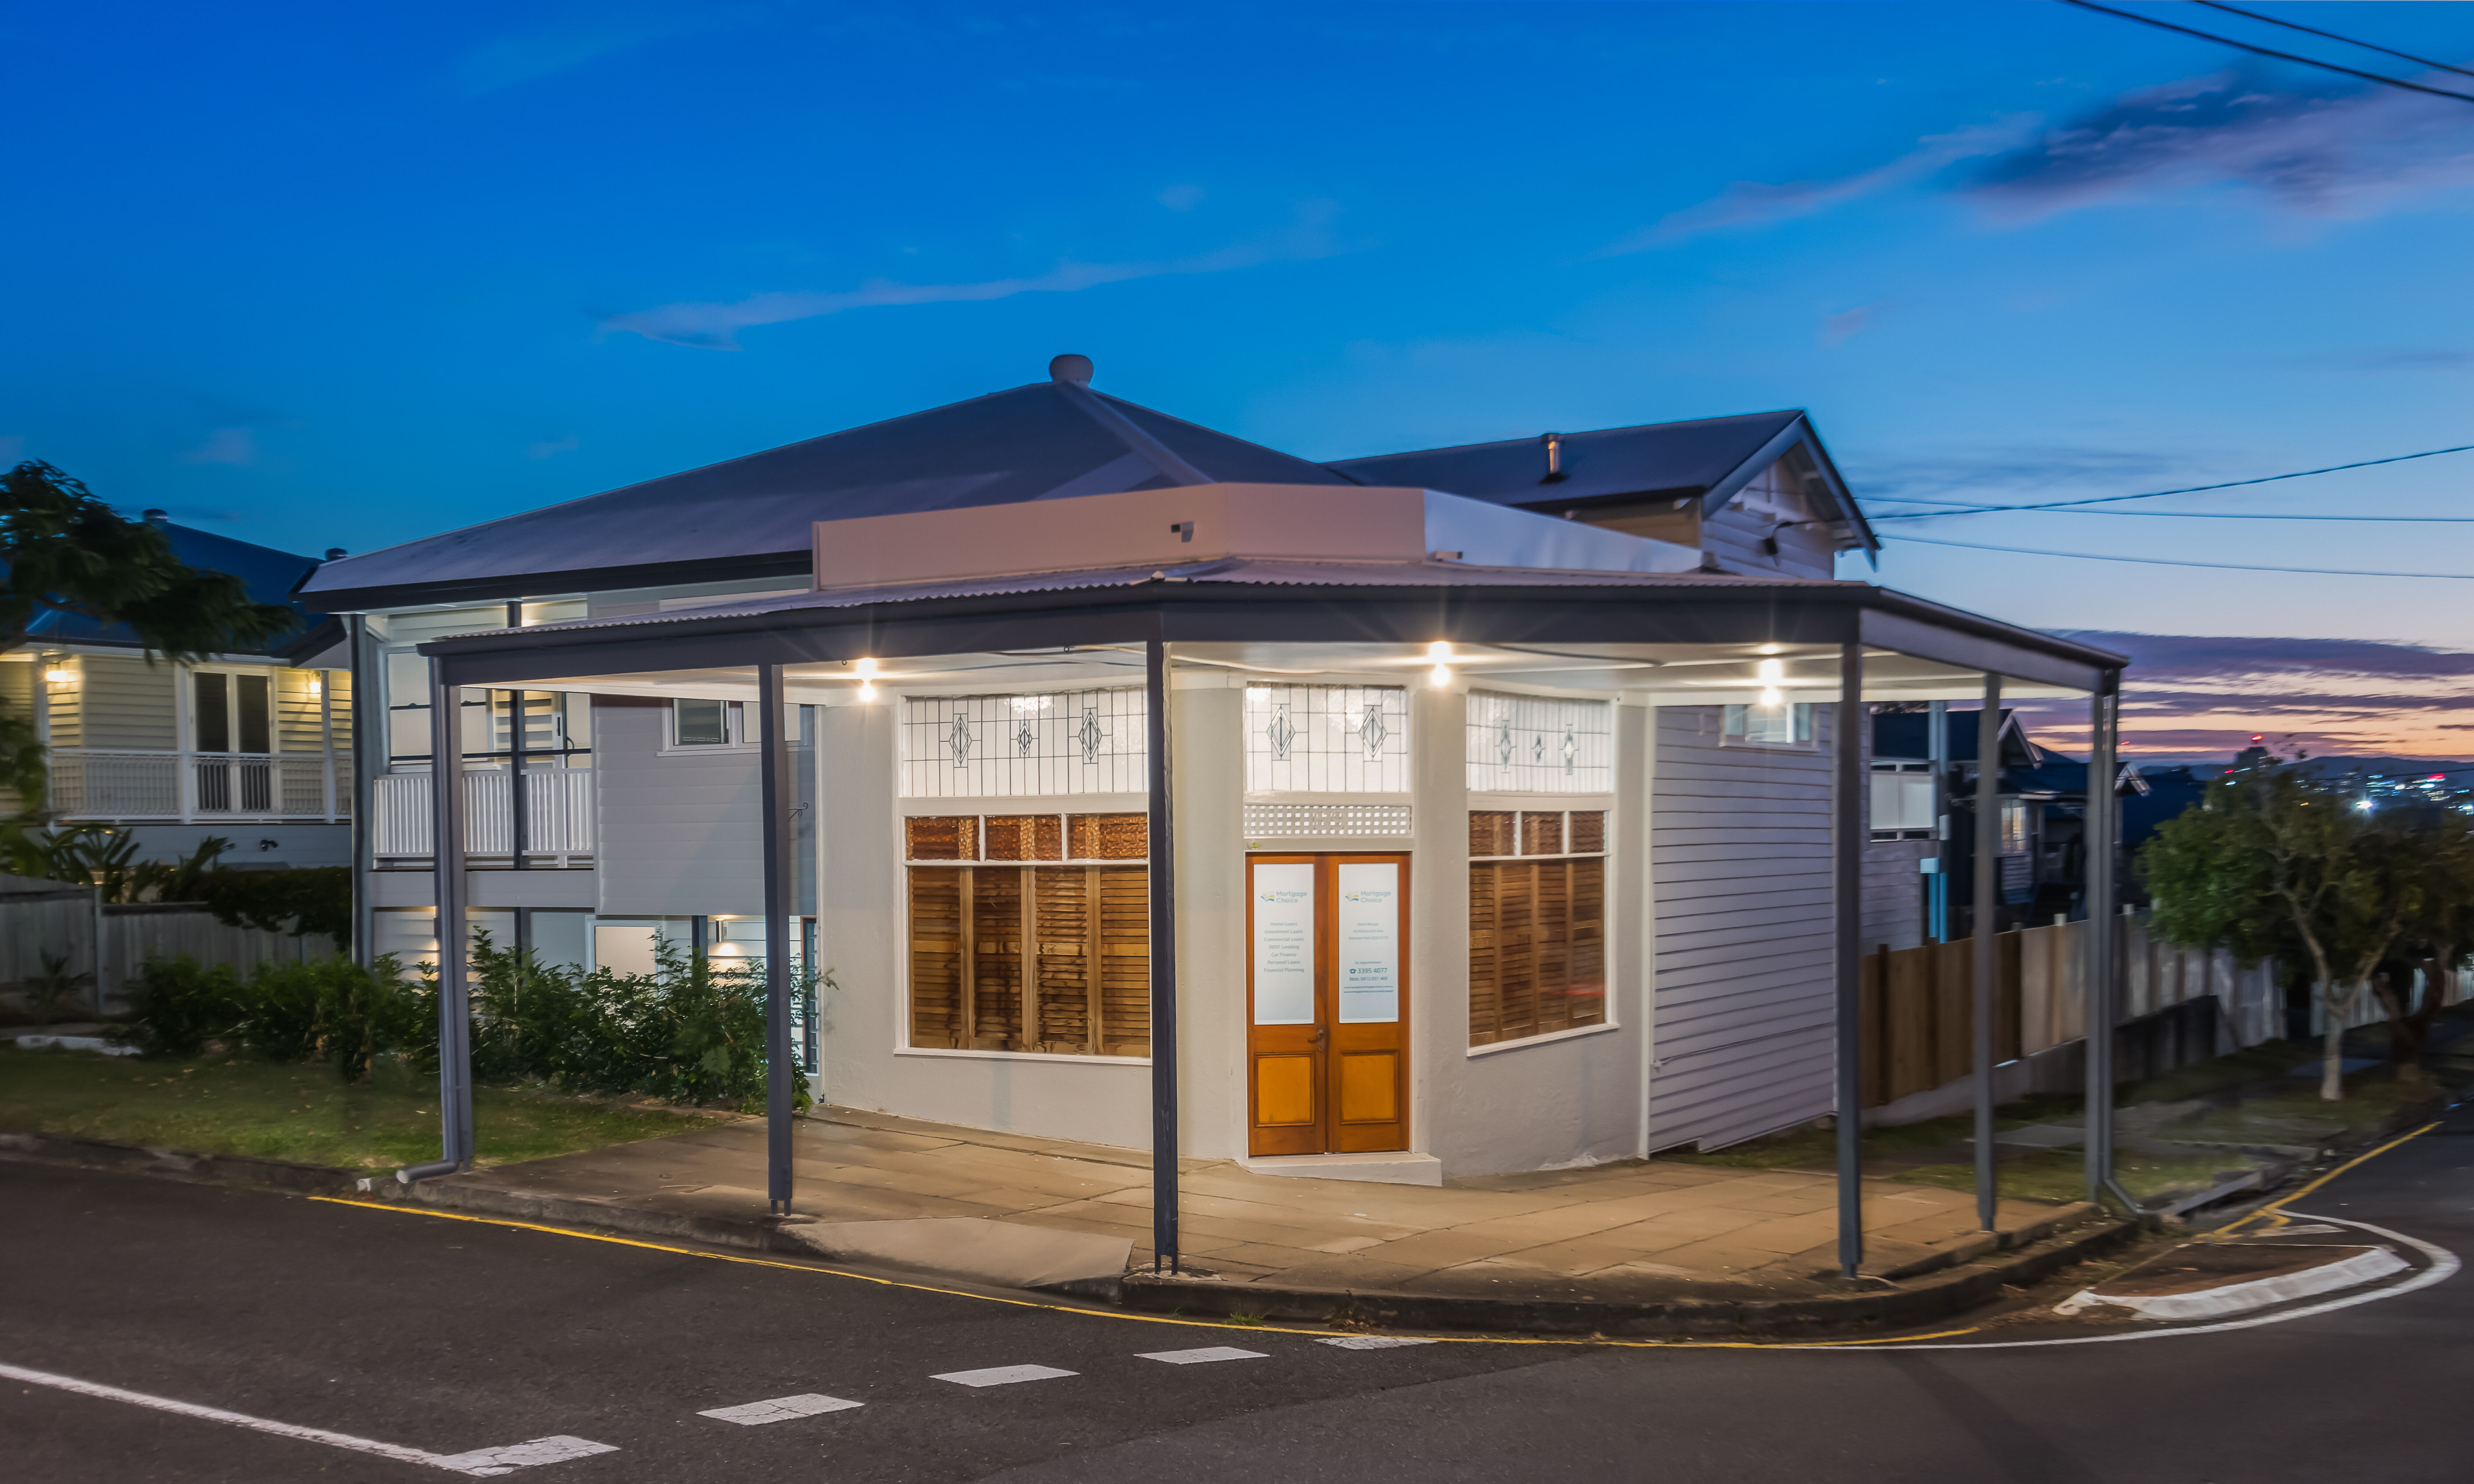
(449,1337)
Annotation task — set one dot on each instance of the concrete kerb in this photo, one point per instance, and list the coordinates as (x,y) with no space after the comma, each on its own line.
(1950,1291)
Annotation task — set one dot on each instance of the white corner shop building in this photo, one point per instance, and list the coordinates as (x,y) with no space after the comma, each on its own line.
(1501,802)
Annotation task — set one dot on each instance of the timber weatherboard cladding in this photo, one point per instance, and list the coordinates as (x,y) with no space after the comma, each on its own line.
(678,832)
(125,703)
(1739,854)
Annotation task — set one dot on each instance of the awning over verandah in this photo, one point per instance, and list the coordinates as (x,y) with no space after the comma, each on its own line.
(1675,639)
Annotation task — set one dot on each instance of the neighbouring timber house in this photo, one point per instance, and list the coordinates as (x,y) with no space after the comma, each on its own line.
(252,749)
(1484,805)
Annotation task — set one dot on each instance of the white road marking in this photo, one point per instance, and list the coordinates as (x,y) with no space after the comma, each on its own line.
(1373,1341)
(781,1409)
(484,1463)
(1001,1376)
(1210,1352)
(524,1455)
(2443,1266)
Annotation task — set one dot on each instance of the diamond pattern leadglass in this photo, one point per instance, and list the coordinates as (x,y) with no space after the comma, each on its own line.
(1011,746)
(1539,744)
(1327,739)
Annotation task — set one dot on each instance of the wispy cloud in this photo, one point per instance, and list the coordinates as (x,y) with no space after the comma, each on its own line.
(1181,198)
(716,327)
(2333,152)
(2189,696)
(1837,330)
(2023,468)
(2404,358)
(552,447)
(1753,204)
(225,445)
(523,58)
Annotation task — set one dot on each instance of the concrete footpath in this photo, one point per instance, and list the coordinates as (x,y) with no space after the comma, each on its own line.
(1563,1249)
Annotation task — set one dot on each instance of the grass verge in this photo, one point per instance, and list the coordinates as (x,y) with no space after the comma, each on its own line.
(275,1111)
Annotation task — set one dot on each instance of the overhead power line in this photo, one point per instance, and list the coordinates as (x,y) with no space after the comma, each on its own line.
(2263,51)
(2388,50)
(2222,566)
(2231,484)
(1959,509)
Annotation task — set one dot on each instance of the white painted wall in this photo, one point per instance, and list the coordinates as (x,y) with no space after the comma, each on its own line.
(860,922)
(1552,1102)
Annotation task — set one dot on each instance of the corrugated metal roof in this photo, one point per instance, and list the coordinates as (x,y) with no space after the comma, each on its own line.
(1234,570)
(1654,457)
(1032,442)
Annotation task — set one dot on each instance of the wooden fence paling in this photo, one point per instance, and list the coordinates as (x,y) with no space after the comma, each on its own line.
(1953,1044)
(1919,1017)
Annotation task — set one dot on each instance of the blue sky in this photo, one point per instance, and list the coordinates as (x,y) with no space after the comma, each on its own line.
(314,276)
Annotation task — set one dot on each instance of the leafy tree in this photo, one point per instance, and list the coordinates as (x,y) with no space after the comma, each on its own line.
(2437,939)
(64,551)
(2276,863)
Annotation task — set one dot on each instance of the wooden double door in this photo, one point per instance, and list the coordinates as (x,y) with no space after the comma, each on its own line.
(1327,1003)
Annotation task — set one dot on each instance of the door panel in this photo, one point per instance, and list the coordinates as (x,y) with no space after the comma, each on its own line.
(1327,1003)
(1284,1090)
(1370,1087)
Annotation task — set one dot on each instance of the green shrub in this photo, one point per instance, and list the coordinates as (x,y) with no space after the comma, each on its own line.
(691,1031)
(181,1004)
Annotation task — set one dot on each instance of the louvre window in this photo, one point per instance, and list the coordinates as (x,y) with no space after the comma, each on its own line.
(1053,957)
(1538,906)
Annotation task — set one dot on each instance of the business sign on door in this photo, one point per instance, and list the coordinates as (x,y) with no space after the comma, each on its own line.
(1284,960)
(1367,923)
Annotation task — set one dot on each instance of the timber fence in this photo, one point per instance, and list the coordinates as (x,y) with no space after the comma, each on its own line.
(2178,1005)
(67,924)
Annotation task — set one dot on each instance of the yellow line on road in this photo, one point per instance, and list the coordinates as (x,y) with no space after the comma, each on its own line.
(2271,1211)
(1098,1313)
(2275,1207)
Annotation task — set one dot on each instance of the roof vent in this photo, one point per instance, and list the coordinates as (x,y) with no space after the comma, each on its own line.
(153,518)
(333,552)
(1073,369)
(1555,474)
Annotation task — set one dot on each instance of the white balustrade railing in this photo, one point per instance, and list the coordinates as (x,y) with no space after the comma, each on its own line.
(94,783)
(558,814)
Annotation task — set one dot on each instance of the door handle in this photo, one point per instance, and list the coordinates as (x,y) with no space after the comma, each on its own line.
(1317,1039)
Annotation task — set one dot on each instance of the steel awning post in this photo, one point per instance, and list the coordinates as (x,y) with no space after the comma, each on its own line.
(1987,966)
(454,992)
(2103,957)
(1163,961)
(1847,875)
(781,1080)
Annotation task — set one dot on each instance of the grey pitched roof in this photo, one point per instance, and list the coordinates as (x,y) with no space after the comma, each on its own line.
(1711,458)
(751,516)
(1659,458)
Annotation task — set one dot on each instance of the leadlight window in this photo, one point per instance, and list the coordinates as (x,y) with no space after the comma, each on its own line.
(1051,957)
(1327,739)
(1539,745)
(1537,908)
(1013,746)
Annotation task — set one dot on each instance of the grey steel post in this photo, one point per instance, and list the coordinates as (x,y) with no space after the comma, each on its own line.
(1847,878)
(781,1079)
(1163,961)
(369,753)
(2102,963)
(1937,752)
(1986,967)
(447,870)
